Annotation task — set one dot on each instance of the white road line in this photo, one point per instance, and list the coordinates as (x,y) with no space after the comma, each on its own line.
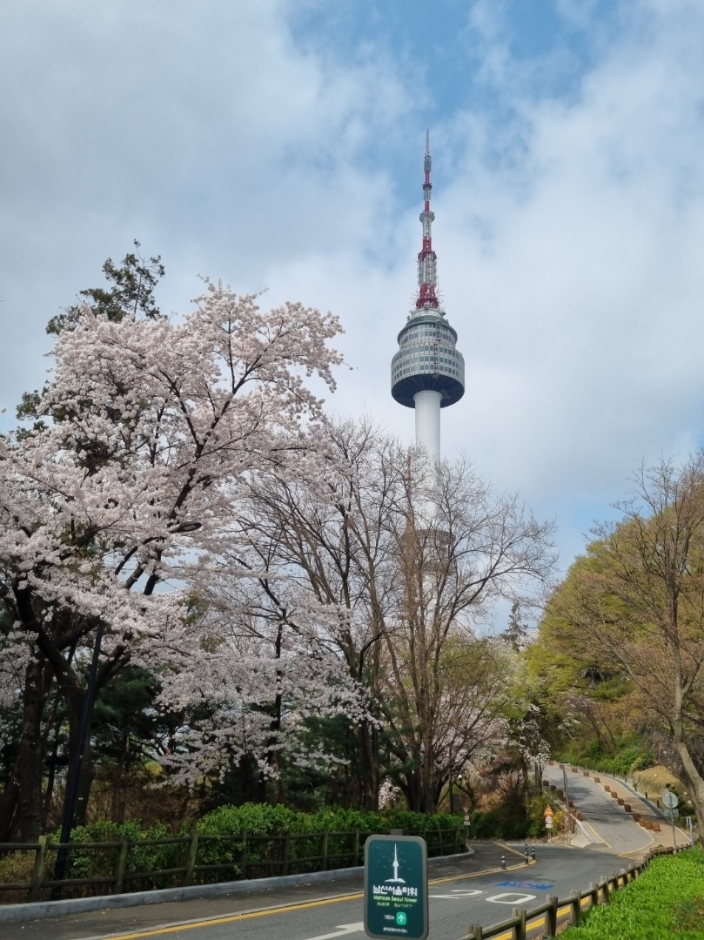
(512,897)
(340,931)
(458,894)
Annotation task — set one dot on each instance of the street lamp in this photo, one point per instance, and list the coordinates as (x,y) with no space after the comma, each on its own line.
(74,774)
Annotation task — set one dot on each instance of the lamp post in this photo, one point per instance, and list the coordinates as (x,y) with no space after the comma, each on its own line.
(74,773)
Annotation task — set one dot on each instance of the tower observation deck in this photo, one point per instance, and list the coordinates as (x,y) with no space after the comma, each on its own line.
(427,372)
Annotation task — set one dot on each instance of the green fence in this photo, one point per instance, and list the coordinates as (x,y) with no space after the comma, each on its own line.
(149,864)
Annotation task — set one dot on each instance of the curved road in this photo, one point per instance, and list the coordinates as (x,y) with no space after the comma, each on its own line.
(610,824)
(461,891)
(458,897)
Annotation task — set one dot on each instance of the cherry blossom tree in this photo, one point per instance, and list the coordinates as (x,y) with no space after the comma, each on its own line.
(148,426)
(406,595)
(247,677)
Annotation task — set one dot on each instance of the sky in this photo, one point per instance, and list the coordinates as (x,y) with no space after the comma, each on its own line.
(278,144)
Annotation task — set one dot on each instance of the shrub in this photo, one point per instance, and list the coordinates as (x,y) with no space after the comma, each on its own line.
(221,844)
(665,903)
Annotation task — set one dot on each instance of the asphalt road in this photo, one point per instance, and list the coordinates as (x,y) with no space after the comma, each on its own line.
(460,893)
(607,821)
(325,912)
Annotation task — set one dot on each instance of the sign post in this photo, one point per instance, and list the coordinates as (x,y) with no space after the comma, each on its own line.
(396,887)
(671,800)
(548,814)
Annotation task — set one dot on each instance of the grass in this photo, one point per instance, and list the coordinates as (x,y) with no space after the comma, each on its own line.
(665,903)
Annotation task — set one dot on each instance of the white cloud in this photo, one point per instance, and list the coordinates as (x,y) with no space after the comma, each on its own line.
(569,227)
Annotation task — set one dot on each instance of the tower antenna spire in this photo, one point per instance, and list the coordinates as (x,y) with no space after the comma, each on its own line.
(427,259)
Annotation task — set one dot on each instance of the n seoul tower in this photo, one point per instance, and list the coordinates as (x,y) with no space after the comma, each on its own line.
(427,372)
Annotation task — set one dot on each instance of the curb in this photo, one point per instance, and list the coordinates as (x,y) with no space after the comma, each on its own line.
(39,910)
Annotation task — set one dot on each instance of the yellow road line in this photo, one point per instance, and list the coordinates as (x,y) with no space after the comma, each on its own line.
(539,921)
(284,908)
(597,834)
(509,849)
(477,874)
(230,918)
(641,849)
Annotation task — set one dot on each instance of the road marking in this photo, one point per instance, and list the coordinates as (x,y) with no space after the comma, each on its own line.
(534,885)
(282,909)
(598,835)
(341,931)
(458,894)
(229,918)
(515,898)
(509,849)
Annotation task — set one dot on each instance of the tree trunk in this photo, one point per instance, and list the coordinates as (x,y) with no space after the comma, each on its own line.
(30,753)
(9,801)
(75,698)
(369,784)
(695,781)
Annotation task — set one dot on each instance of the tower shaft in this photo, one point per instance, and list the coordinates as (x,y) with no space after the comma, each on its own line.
(427,405)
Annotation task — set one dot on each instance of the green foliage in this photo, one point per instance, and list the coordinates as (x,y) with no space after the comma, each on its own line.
(536,814)
(259,831)
(665,903)
(627,753)
(131,292)
(98,862)
(508,820)
(264,819)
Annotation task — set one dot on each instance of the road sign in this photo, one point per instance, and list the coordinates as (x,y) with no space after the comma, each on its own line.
(548,811)
(548,822)
(396,887)
(670,799)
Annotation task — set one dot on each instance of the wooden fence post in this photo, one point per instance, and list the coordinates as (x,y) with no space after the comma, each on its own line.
(121,866)
(604,884)
(356,848)
(520,929)
(38,871)
(324,851)
(287,853)
(243,854)
(474,932)
(575,903)
(191,858)
(551,916)
(593,894)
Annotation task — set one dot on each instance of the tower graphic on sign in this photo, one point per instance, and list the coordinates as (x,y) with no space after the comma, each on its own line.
(395,880)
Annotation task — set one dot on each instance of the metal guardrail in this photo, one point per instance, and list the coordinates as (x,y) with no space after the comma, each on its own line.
(249,856)
(554,909)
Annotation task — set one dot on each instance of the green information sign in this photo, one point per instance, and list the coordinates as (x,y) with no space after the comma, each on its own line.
(396,887)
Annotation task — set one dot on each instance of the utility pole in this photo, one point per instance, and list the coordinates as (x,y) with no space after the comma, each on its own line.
(567,800)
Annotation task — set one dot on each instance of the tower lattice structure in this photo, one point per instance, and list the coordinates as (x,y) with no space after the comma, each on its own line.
(427,372)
